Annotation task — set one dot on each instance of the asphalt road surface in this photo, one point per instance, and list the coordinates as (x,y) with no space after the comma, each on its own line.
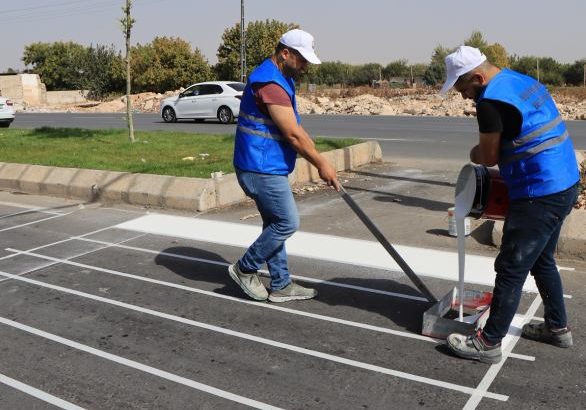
(431,138)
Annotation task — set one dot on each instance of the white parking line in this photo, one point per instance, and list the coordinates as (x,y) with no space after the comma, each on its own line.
(226,297)
(34,222)
(29,211)
(263,272)
(424,262)
(139,366)
(30,208)
(492,372)
(39,394)
(257,339)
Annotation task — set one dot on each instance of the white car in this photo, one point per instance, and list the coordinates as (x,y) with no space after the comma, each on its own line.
(212,99)
(6,112)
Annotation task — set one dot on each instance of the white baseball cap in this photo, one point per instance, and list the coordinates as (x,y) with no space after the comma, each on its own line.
(461,61)
(301,41)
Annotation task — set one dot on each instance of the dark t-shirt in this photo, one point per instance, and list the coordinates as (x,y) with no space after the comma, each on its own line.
(497,116)
(270,93)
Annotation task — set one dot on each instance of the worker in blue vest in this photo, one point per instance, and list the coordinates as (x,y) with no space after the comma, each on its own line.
(520,130)
(269,136)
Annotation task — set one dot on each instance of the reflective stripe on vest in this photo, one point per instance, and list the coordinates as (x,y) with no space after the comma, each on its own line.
(270,135)
(534,150)
(532,135)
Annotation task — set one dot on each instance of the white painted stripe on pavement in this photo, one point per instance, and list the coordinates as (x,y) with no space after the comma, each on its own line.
(29,211)
(139,366)
(508,344)
(39,394)
(425,262)
(34,222)
(226,297)
(29,207)
(245,336)
(263,272)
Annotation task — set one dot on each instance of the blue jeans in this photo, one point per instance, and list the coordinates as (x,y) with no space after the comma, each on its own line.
(280,220)
(530,236)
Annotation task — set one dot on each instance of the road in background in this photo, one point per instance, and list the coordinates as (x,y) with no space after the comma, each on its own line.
(432,138)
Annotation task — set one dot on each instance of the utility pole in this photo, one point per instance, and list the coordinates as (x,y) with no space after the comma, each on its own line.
(584,75)
(242,44)
(537,68)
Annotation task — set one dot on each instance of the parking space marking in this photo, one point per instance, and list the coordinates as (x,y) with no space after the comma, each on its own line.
(139,366)
(34,222)
(265,341)
(30,208)
(264,272)
(425,262)
(494,369)
(225,297)
(29,211)
(39,394)
(57,261)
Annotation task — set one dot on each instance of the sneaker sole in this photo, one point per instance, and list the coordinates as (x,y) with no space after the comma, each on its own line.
(245,289)
(279,299)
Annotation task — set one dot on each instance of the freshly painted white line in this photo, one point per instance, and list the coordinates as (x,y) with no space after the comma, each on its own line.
(29,211)
(57,261)
(39,394)
(34,222)
(30,207)
(226,297)
(514,334)
(59,242)
(425,262)
(139,366)
(257,339)
(522,357)
(265,273)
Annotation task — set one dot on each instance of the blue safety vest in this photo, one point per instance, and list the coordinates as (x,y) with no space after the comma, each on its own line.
(260,146)
(540,160)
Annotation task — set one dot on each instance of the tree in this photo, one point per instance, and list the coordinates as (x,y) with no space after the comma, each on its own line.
(477,40)
(398,68)
(127,23)
(102,72)
(58,63)
(168,63)
(574,73)
(550,71)
(261,39)
(495,53)
(436,71)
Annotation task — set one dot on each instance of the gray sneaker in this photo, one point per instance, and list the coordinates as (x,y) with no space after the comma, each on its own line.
(541,332)
(474,348)
(292,291)
(249,282)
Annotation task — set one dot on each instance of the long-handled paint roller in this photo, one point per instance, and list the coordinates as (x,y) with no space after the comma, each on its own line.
(386,244)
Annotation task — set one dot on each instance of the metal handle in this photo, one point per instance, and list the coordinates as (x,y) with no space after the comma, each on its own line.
(387,245)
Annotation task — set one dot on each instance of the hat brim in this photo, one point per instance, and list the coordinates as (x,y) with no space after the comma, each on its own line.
(450,81)
(309,55)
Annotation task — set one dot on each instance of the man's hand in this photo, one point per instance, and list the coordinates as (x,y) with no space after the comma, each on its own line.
(328,174)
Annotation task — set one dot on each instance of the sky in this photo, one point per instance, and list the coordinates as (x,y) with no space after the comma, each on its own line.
(355,32)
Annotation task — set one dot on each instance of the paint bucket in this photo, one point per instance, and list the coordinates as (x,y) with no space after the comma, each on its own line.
(481,193)
(452,229)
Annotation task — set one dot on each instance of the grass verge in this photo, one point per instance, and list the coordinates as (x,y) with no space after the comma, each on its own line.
(154,152)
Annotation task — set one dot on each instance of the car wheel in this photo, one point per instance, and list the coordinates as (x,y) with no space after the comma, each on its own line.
(225,115)
(169,115)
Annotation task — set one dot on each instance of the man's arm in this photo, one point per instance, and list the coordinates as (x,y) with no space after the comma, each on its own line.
(284,118)
(487,152)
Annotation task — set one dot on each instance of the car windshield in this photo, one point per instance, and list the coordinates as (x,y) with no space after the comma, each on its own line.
(237,86)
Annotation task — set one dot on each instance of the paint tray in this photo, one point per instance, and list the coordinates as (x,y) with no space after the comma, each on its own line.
(441,319)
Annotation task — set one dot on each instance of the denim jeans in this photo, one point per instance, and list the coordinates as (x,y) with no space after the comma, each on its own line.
(530,235)
(280,220)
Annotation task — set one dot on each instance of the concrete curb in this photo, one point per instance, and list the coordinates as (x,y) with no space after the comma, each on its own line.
(572,242)
(194,194)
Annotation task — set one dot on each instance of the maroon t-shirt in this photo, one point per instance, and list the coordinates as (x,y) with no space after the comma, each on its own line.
(270,93)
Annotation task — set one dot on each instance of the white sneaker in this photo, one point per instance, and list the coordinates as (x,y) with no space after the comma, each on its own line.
(248,282)
(292,291)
